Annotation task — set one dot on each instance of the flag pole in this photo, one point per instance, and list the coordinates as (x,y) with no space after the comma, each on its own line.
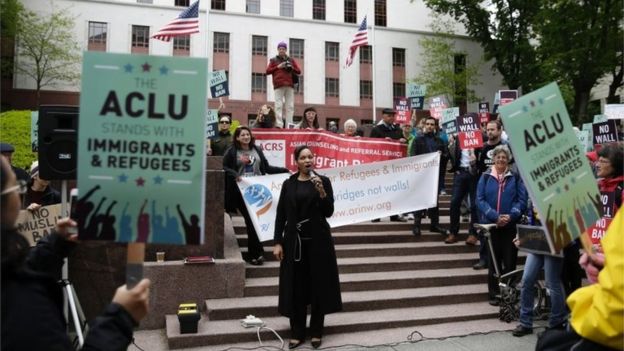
(373,50)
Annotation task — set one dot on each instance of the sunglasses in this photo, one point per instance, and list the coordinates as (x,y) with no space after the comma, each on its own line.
(224,122)
(21,188)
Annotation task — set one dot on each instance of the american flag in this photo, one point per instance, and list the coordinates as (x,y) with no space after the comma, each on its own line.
(186,23)
(359,39)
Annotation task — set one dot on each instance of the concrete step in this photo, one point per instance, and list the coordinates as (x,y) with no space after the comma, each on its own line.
(382,280)
(231,331)
(266,306)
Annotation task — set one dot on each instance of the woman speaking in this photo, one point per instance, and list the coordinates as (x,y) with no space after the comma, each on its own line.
(305,248)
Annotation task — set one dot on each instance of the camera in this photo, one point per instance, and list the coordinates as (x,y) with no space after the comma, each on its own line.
(287,65)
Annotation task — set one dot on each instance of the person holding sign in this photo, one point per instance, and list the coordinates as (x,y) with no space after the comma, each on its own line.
(39,193)
(305,249)
(245,159)
(502,199)
(609,170)
(224,138)
(285,71)
(32,299)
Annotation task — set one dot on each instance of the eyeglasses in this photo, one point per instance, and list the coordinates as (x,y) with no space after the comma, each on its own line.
(224,122)
(21,188)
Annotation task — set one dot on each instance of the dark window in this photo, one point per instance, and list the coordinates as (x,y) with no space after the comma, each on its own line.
(182,45)
(221,42)
(380,13)
(259,45)
(217,4)
(296,48)
(366,89)
(318,9)
(97,36)
(366,54)
(350,11)
(140,37)
(253,6)
(398,57)
(258,83)
(332,87)
(332,51)
(287,8)
(460,86)
(398,90)
(182,3)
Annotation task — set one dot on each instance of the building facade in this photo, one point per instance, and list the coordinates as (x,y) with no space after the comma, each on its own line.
(240,36)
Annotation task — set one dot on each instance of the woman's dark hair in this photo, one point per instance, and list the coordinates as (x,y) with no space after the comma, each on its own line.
(269,119)
(300,148)
(304,122)
(615,154)
(237,133)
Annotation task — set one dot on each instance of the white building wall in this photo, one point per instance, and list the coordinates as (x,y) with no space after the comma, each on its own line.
(408,23)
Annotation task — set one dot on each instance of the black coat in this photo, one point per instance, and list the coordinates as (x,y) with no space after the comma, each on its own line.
(50,197)
(419,145)
(232,194)
(32,301)
(383,131)
(323,265)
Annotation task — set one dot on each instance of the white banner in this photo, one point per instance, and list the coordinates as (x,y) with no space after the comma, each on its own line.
(361,192)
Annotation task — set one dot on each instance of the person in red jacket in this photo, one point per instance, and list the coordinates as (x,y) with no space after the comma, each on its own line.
(285,71)
(609,170)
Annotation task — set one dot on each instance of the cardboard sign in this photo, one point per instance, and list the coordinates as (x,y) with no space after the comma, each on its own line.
(141,166)
(436,105)
(416,90)
(35,225)
(614,111)
(507,96)
(212,123)
(219,84)
(449,120)
(402,108)
(535,240)
(605,132)
(417,103)
(553,166)
(469,131)
(34,131)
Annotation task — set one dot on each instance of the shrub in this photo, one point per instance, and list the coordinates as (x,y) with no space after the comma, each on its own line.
(15,130)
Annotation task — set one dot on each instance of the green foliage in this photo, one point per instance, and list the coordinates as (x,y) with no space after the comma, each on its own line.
(438,66)
(47,49)
(15,130)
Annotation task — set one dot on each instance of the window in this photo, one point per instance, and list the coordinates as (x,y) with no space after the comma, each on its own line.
(398,90)
(332,88)
(380,13)
(253,6)
(350,11)
(366,89)
(183,3)
(332,51)
(398,57)
(366,54)
(217,4)
(287,8)
(140,39)
(221,42)
(259,45)
(296,48)
(258,83)
(97,36)
(318,9)
(182,45)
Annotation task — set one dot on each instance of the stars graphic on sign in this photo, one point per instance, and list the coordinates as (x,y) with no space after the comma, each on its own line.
(146,67)
(164,70)
(158,179)
(140,181)
(128,68)
(122,178)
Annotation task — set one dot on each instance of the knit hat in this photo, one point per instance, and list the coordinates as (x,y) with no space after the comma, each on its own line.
(282,44)
(34,169)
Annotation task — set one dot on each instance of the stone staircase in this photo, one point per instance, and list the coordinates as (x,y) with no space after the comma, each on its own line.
(390,280)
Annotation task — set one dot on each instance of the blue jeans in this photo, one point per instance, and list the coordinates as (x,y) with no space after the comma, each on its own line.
(552,267)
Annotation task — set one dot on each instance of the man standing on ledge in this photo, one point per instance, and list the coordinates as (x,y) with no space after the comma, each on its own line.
(387,129)
(284,69)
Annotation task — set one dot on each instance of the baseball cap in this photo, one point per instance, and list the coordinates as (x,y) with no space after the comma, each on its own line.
(388,111)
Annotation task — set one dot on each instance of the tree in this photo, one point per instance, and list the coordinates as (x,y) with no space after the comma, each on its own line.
(10,10)
(503,28)
(444,69)
(46,49)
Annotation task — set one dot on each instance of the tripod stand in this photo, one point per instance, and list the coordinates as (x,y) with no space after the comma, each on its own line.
(76,313)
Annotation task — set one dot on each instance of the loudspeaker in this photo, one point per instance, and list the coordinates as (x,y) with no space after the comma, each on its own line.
(58,142)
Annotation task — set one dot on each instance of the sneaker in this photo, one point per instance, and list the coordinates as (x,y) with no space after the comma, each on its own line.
(522,331)
(479,265)
(472,240)
(257,261)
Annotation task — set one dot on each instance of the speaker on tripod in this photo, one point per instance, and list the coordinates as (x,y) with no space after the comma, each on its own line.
(58,142)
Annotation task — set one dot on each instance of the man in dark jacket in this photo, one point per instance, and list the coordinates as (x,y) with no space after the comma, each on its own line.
(220,144)
(284,70)
(7,153)
(423,144)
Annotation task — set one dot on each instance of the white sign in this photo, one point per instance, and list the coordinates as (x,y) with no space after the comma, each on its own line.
(614,111)
(361,192)
(416,90)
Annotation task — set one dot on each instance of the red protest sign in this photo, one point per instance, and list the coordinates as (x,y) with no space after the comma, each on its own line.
(402,108)
(469,132)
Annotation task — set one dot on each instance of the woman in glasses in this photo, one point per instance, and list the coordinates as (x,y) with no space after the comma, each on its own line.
(245,159)
(32,299)
(222,142)
(310,119)
(305,248)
